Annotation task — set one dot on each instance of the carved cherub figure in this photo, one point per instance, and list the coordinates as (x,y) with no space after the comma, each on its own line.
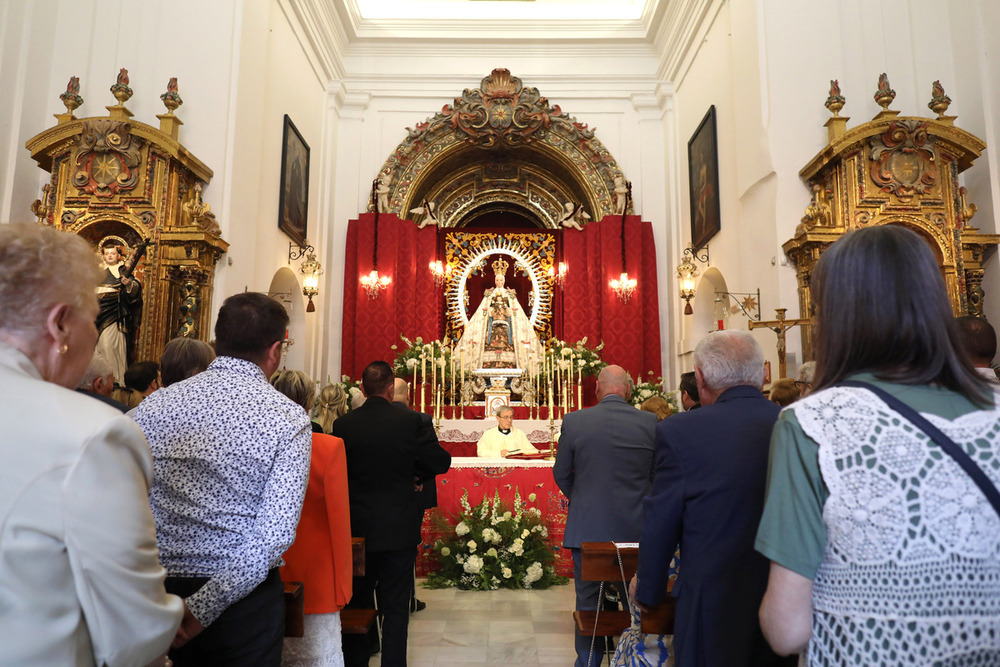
(429,210)
(574,217)
(621,194)
(382,196)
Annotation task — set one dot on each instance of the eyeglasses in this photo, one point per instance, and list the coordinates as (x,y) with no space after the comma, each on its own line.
(802,383)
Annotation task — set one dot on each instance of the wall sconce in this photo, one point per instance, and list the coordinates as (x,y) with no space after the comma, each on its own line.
(440,272)
(559,276)
(624,286)
(311,270)
(686,273)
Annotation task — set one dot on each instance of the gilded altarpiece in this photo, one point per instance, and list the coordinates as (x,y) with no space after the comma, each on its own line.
(894,170)
(112,176)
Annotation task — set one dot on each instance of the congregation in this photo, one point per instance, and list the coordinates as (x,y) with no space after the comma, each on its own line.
(853,518)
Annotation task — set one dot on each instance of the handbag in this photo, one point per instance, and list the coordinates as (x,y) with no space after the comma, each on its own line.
(950,447)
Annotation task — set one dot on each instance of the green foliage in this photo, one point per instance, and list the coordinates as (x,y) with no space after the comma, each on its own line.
(493,546)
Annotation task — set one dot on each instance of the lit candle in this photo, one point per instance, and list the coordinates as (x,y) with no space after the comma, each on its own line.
(422,380)
(579,385)
(434,375)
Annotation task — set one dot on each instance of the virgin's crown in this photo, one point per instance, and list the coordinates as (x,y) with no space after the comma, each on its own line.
(500,266)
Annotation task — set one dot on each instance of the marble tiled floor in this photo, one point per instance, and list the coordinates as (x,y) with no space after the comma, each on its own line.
(483,628)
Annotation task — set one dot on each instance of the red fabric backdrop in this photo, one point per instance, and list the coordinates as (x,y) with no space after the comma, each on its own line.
(630,331)
(412,306)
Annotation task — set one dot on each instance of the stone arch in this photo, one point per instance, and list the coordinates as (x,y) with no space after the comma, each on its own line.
(501,143)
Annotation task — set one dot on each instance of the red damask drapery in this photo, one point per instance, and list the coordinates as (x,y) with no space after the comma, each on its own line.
(630,331)
(412,305)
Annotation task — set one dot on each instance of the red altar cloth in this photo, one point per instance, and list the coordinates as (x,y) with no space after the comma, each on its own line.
(482,480)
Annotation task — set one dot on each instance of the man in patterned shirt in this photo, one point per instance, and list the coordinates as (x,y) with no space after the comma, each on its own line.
(231,461)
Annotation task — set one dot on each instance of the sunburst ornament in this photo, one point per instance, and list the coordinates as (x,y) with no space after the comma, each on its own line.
(749,303)
(532,264)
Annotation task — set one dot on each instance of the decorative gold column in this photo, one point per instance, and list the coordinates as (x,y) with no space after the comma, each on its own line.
(114,176)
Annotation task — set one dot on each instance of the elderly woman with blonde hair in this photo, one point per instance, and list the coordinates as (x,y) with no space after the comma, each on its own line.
(321,555)
(80,579)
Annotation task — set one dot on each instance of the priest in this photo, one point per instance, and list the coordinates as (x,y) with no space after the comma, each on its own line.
(503,440)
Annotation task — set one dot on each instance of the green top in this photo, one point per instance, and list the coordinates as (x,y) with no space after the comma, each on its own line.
(792,532)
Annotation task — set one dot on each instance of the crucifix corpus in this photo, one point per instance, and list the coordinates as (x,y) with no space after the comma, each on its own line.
(780,326)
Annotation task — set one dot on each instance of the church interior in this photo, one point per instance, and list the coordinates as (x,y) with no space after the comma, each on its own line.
(498,196)
(600,90)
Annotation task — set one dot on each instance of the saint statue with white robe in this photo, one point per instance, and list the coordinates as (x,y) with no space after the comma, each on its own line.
(499,334)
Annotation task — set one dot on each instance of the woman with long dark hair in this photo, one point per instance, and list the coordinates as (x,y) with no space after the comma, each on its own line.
(885,549)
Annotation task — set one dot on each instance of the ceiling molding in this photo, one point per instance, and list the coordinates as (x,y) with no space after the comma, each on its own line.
(669,33)
(680,33)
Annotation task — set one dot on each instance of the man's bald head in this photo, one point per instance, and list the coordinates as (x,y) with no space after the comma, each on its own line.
(400,392)
(613,380)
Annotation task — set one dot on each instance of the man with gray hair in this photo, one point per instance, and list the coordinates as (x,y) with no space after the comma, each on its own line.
(604,466)
(504,439)
(99,381)
(707,497)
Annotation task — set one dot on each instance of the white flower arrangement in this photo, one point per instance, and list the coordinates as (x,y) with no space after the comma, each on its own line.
(473,565)
(492,547)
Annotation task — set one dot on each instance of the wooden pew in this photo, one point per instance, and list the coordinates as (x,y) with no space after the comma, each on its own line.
(357,621)
(599,562)
(352,621)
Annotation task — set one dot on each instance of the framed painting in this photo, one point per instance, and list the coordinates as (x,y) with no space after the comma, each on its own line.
(703,181)
(293,198)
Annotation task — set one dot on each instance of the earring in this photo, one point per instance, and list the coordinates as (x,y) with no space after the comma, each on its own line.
(64,349)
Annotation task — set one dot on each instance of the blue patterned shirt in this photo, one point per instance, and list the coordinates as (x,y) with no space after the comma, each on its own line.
(230,466)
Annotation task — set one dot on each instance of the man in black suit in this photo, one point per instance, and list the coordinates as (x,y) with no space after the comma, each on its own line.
(708,495)
(426,488)
(387,448)
(604,466)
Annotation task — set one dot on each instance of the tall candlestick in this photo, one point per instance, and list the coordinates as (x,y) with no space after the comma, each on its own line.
(423,379)
(548,382)
(579,385)
(453,385)
(461,380)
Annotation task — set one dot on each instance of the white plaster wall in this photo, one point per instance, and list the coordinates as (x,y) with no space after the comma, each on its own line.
(240,68)
(767,66)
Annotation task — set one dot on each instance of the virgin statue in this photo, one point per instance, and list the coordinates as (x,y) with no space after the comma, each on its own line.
(499,334)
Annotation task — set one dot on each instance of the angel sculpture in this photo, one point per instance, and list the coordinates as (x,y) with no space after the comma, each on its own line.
(429,210)
(574,217)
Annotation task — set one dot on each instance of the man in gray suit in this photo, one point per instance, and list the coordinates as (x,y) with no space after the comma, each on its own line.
(604,466)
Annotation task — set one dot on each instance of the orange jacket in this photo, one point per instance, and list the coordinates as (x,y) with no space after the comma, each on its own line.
(321,556)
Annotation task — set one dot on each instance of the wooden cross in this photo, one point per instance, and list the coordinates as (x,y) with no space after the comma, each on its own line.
(780,326)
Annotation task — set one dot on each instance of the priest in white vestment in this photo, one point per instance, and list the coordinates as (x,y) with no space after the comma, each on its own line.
(503,439)
(500,334)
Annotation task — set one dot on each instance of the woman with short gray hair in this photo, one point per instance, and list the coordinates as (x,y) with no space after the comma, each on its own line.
(80,579)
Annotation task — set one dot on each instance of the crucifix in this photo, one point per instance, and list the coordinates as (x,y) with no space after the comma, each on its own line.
(780,326)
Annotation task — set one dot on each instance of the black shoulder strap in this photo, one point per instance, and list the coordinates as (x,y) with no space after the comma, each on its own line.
(947,444)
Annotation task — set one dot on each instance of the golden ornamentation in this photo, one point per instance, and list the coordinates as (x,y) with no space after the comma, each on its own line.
(107,158)
(939,101)
(500,266)
(894,170)
(112,177)
(902,159)
(835,102)
(885,94)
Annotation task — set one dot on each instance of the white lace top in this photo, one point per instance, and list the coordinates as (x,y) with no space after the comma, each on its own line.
(911,574)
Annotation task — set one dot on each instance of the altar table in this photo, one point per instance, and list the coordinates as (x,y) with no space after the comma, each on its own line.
(483,477)
(459,436)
